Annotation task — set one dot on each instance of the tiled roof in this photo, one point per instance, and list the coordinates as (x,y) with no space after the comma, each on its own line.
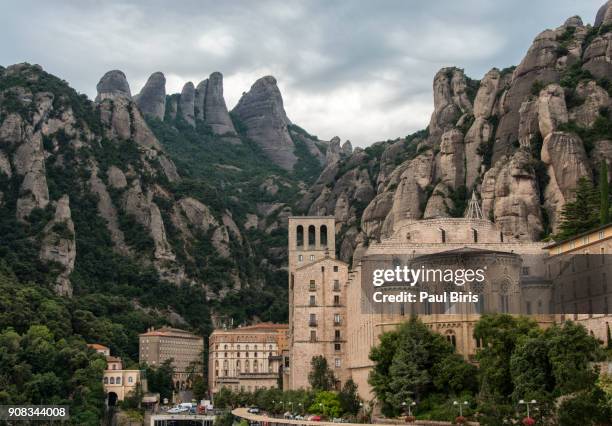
(97,346)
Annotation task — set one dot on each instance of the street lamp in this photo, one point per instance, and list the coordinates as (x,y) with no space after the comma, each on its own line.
(456,403)
(409,405)
(301,409)
(532,402)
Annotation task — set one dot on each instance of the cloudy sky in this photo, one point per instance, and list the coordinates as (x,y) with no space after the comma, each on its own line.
(358,69)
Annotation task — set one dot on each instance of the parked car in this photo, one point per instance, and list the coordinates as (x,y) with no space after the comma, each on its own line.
(315,418)
(254,410)
(288,415)
(178,409)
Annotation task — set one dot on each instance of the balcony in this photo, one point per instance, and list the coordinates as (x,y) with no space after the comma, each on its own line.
(312,323)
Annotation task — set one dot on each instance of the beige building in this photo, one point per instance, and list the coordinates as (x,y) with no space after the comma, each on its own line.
(317,300)
(246,358)
(580,268)
(327,313)
(184,348)
(118,383)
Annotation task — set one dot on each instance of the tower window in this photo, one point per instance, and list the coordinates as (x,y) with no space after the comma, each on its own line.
(311,235)
(475,235)
(313,335)
(312,300)
(336,300)
(443,235)
(299,236)
(323,235)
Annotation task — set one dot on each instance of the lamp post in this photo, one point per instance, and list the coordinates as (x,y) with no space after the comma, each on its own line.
(273,406)
(528,420)
(409,405)
(456,403)
(301,408)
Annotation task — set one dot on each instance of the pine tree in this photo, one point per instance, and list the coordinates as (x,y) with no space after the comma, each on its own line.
(582,213)
(604,209)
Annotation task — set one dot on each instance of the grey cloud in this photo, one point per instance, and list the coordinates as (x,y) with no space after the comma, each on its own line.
(372,61)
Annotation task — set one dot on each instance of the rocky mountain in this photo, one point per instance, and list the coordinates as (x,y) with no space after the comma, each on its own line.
(171,209)
(520,138)
(90,192)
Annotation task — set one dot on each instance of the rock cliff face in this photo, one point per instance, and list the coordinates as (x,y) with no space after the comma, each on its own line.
(58,244)
(514,138)
(72,170)
(152,98)
(215,112)
(187,103)
(113,85)
(262,112)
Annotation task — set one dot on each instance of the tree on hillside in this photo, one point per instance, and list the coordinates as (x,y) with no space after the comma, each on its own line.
(582,213)
(604,194)
(321,377)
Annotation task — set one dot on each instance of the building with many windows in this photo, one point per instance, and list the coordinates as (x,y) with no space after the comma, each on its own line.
(580,267)
(247,358)
(184,348)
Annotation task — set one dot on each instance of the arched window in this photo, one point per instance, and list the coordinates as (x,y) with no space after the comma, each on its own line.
(118,380)
(450,336)
(130,379)
(475,235)
(311,235)
(323,235)
(238,366)
(246,366)
(442,235)
(106,380)
(112,380)
(255,366)
(299,236)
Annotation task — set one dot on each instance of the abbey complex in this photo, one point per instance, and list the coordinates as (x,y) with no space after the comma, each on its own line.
(328,316)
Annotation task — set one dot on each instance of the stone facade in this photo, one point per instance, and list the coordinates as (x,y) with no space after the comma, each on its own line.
(246,358)
(522,281)
(431,242)
(580,268)
(185,348)
(317,300)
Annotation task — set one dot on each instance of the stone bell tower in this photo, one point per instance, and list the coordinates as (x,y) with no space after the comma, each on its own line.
(317,301)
